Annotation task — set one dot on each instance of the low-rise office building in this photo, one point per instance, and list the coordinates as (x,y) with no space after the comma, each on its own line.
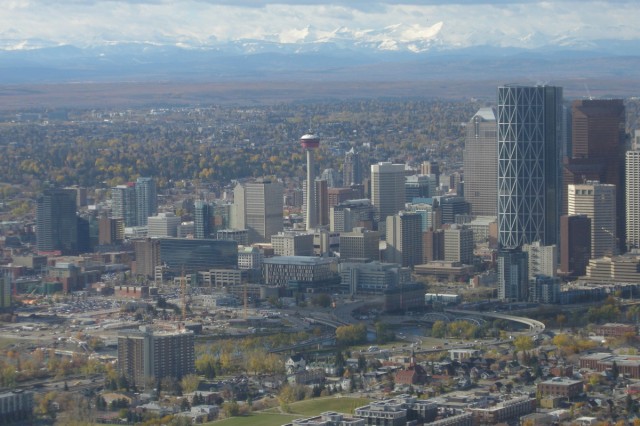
(300,273)
(561,386)
(372,278)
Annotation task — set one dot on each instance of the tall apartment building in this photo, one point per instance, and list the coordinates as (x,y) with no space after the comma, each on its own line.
(147,256)
(404,239)
(5,292)
(542,259)
(575,245)
(360,244)
(597,201)
(632,190)
(57,222)
(135,201)
(258,207)
(597,151)
(146,356)
(481,163)
(513,275)
(124,205)
(163,225)
(530,136)
(146,199)
(544,289)
(458,244)
(292,243)
(203,219)
(110,231)
(387,189)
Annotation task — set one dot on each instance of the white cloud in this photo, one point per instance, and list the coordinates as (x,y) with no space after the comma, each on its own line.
(198,22)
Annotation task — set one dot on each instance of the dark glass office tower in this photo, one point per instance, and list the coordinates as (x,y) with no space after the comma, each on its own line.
(598,151)
(57,222)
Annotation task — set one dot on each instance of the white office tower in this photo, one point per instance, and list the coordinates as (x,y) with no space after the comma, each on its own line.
(458,244)
(163,225)
(258,208)
(632,170)
(542,259)
(292,243)
(481,163)
(404,239)
(387,189)
(310,143)
(597,201)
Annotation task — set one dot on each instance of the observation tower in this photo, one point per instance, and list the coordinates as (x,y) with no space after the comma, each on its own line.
(310,143)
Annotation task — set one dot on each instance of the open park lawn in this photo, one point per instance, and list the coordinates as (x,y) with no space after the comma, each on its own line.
(308,408)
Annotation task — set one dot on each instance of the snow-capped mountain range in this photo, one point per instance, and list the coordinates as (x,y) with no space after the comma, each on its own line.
(393,52)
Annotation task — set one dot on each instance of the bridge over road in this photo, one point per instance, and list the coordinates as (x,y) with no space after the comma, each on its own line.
(535,326)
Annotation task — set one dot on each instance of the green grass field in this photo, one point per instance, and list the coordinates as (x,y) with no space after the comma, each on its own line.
(313,407)
(308,408)
(257,419)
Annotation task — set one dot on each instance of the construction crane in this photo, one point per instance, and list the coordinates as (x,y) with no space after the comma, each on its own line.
(183,296)
(245,300)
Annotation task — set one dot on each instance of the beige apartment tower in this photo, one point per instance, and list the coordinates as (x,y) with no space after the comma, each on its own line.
(597,201)
(632,170)
(387,189)
(258,208)
(404,239)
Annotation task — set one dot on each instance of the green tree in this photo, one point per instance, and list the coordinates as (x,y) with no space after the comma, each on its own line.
(351,334)
(615,370)
(523,343)
(383,332)
(190,383)
(184,405)
(231,409)
(439,329)
(321,299)
(362,363)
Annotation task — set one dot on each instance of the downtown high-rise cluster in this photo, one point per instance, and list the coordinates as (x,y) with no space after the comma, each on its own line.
(560,178)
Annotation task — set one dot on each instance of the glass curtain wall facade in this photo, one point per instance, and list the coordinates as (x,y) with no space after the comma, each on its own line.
(529,141)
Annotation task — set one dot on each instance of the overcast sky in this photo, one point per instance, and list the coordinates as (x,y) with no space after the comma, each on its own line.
(459,23)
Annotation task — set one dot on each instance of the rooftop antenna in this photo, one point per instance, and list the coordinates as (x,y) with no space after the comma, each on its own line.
(586,87)
(183,290)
